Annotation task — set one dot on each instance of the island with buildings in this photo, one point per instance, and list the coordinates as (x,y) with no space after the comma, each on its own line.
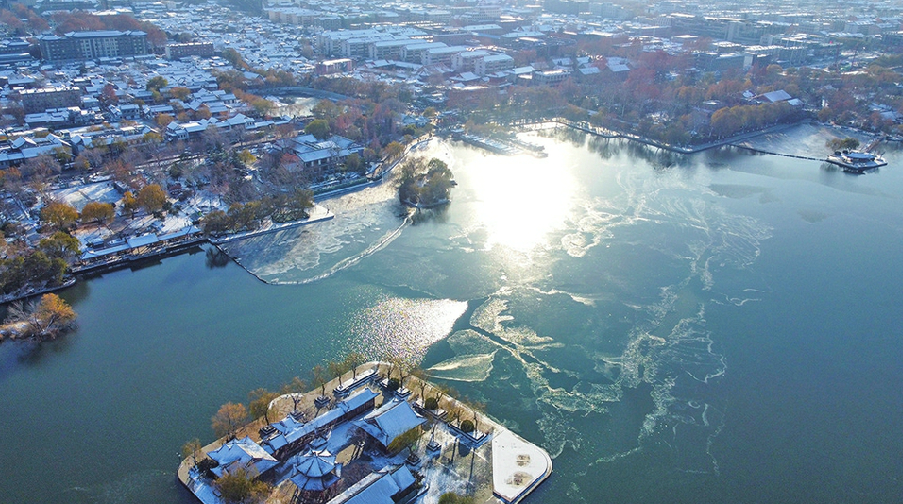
(371,435)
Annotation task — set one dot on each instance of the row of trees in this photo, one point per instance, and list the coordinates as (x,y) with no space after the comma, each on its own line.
(665,98)
(231,416)
(25,268)
(63,216)
(31,269)
(842,144)
(251,215)
(242,486)
(21,20)
(728,121)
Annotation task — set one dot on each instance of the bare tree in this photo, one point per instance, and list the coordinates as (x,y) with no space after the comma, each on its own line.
(296,387)
(228,419)
(336,369)
(191,450)
(352,361)
(318,377)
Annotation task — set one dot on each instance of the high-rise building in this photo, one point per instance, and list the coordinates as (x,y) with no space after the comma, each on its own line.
(75,46)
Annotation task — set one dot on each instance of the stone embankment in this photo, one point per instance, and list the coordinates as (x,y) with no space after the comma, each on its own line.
(493,463)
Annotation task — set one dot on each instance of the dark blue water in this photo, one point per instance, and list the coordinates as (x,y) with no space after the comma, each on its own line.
(715,328)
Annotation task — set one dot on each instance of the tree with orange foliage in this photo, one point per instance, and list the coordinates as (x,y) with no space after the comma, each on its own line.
(44,319)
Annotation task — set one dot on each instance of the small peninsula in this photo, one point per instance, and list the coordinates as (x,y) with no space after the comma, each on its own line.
(383,435)
(39,320)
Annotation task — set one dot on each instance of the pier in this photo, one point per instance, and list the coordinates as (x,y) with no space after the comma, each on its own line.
(857,162)
(509,147)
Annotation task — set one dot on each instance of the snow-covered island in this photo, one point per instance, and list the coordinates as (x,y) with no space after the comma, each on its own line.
(374,439)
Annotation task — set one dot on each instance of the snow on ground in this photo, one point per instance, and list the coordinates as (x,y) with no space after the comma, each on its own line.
(804,140)
(516,465)
(93,234)
(456,468)
(203,201)
(81,195)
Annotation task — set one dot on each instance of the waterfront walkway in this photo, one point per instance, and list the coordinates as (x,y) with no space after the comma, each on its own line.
(585,126)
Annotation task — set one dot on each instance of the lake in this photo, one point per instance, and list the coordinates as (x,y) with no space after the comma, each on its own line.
(722,327)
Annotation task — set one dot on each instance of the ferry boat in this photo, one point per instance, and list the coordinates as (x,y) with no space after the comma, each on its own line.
(855,161)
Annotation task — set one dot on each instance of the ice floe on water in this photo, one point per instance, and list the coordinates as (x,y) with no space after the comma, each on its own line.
(606,313)
(667,348)
(467,368)
(365,222)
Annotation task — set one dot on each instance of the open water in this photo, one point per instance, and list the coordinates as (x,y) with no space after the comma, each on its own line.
(722,327)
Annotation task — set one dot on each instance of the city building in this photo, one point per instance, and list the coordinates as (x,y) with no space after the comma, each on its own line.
(550,77)
(87,45)
(493,63)
(41,99)
(176,51)
(313,153)
(16,151)
(334,66)
(441,55)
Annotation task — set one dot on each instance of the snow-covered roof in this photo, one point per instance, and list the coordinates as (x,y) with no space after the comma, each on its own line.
(141,241)
(498,57)
(391,420)
(291,430)
(467,77)
(92,254)
(241,453)
(378,487)
(357,400)
(777,96)
(315,464)
(180,233)
(287,424)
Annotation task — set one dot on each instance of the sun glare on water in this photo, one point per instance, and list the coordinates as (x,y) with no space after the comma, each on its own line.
(521,199)
(404,328)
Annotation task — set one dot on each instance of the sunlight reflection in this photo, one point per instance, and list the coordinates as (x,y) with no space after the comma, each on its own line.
(521,199)
(404,328)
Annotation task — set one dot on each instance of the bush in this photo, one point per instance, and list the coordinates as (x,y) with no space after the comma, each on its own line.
(393,384)
(241,486)
(431,403)
(467,426)
(453,498)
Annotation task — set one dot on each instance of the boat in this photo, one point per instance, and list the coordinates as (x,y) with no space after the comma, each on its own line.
(856,161)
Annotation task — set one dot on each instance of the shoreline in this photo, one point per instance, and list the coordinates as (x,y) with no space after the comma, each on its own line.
(196,240)
(609,133)
(37,292)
